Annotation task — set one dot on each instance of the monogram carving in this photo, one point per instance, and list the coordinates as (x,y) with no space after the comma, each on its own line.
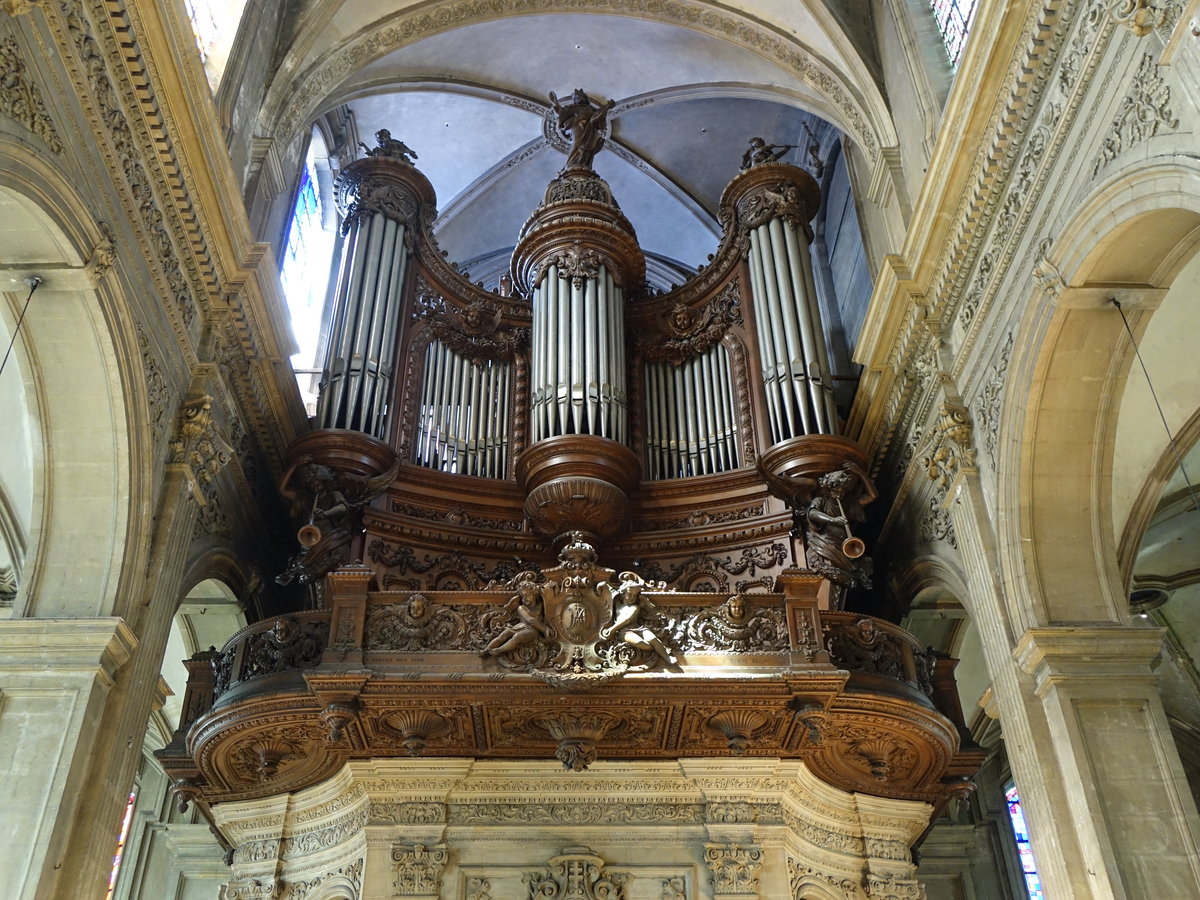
(576,874)
(575,629)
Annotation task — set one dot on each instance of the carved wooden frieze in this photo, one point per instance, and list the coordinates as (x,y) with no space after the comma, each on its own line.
(472,330)
(689,332)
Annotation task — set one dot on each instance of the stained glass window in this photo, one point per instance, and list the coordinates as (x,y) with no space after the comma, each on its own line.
(954,21)
(1033,883)
(304,271)
(124,836)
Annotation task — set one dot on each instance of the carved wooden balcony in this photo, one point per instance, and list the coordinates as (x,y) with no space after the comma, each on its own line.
(574,662)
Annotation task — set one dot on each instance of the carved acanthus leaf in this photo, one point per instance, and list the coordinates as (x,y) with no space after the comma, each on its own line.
(1143,113)
(689,333)
(578,263)
(472,331)
(1139,16)
(20,98)
(734,868)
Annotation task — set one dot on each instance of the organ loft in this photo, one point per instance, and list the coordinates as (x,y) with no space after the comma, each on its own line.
(575,528)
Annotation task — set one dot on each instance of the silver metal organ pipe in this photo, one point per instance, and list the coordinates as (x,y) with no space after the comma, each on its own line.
(354,260)
(766,341)
(702,376)
(562,378)
(604,363)
(387,357)
(730,424)
(617,299)
(788,252)
(803,257)
(473,416)
(591,384)
(576,384)
(502,427)
(800,349)
(367,310)
(374,346)
(784,386)
(536,340)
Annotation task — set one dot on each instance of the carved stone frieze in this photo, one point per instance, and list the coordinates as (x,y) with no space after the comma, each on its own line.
(734,868)
(576,874)
(250,890)
(418,869)
(472,331)
(599,812)
(674,889)
(20,97)
(309,842)
(157,391)
(406,813)
(952,447)
(1144,112)
(689,333)
(477,889)
(991,395)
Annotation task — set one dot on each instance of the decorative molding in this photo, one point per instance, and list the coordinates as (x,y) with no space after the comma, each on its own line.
(937,525)
(991,396)
(801,876)
(688,333)
(889,887)
(1139,16)
(350,875)
(418,869)
(477,889)
(734,868)
(20,97)
(472,331)
(597,812)
(1144,112)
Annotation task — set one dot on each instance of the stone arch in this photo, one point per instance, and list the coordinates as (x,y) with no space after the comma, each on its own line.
(1129,239)
(69,376)
(850,97)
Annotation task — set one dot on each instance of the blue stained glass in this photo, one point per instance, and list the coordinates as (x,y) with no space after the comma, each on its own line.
(1033,882)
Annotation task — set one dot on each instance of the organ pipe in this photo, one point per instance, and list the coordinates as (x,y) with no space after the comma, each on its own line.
(463,414)
(690,424)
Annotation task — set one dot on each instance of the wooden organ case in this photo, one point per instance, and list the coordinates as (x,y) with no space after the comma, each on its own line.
(573,518)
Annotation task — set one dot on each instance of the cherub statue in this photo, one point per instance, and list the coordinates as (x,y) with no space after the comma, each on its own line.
(526,603)
(389,147)
(762,152)
(583,122)
(628,597)
(827,525)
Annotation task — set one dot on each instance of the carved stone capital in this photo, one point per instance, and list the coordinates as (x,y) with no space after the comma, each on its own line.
(734,868)
(418,869)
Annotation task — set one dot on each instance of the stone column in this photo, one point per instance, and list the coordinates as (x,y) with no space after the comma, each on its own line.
(380,198)
(1100,779)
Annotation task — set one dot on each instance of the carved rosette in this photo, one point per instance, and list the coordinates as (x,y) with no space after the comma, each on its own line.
(580,228)
(773,190)
(386,185)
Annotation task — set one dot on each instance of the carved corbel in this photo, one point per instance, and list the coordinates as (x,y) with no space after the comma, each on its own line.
(199,448)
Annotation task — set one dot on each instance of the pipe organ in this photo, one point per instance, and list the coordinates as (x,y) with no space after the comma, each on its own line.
(575,520)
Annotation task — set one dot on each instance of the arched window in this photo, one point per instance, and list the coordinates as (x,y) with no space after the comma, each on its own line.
(305,264)
(215,24)
(954,18)
(1033,882)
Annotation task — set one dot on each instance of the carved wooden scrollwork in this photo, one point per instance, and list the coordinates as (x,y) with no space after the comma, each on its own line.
(688,333)
(473,331)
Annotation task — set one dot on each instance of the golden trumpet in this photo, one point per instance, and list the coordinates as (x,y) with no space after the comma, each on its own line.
(852,547)
(309,535)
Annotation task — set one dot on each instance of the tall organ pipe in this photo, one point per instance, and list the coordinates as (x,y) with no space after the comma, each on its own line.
(690,417)
(379,196)
(774,201)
